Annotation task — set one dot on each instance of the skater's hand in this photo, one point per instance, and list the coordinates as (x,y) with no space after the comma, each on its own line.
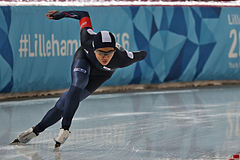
(55,15)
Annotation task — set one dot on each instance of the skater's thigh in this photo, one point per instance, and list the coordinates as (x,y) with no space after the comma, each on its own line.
(60,103)
(80,73)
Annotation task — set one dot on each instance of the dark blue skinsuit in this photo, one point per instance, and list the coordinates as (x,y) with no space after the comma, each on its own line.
(87,73)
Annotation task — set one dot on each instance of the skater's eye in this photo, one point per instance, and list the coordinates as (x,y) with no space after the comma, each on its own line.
(105,51)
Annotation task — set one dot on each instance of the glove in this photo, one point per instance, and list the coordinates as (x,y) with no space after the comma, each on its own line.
(55,15)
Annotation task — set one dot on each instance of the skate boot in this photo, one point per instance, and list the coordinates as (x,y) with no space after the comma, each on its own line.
(62,137)
(25,137)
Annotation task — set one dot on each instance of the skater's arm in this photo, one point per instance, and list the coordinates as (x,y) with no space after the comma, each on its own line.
(84,20)
(82,16)
(56,15)
(128,58)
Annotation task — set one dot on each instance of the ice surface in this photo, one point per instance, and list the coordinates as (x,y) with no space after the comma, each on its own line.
(161,125)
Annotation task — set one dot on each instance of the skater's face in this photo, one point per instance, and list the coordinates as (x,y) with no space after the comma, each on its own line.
(104,55)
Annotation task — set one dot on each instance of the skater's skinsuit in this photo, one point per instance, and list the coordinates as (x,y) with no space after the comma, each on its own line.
(86,71)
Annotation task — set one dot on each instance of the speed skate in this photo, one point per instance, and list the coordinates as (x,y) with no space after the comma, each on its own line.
(25,137)
(61,138)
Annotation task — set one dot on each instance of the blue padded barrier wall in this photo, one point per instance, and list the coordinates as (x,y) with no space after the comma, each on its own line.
(183,44)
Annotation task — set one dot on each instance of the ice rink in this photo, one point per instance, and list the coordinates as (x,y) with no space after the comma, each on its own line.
(160,125)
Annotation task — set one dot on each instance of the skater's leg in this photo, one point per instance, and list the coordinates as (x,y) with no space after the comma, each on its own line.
(76,93)
(76,96)
(64,131)
(52,116)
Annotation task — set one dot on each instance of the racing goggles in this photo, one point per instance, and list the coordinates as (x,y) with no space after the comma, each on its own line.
(103,53)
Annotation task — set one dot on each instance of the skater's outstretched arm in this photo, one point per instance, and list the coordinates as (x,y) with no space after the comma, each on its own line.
(56,15)
(84,20)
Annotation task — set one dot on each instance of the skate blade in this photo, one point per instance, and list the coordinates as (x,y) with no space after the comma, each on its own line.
(16,142)
(57,145)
